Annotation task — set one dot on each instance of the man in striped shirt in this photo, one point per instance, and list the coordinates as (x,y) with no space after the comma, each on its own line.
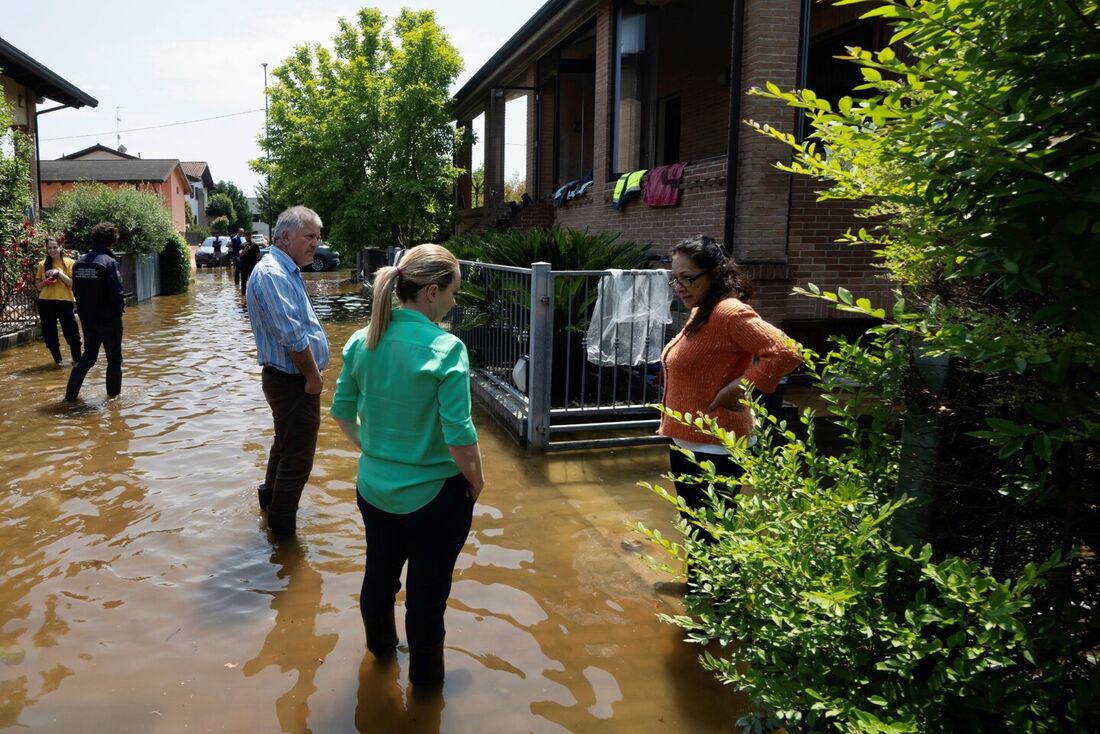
(293,349)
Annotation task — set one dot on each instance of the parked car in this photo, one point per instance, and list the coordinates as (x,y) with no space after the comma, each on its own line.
(325,258)
(214,251)
(259,239)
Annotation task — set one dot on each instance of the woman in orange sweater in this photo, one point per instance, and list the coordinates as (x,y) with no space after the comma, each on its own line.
(724,349)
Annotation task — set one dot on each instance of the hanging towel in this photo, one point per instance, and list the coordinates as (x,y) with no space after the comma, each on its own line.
(662,185)
(628,322)
(629,186)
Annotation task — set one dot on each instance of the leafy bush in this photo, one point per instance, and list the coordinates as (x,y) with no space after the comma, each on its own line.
(828,623)
(144,226)
(564,249)
(175,266)
(975,151)
(219,225)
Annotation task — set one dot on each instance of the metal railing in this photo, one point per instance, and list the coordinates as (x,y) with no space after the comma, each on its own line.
(552,359)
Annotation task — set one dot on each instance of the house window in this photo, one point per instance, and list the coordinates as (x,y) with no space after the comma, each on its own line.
(634,62)
(575,102)
(668,130)
(832,78)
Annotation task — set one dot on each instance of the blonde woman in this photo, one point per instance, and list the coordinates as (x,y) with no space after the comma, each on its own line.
(403,398)
(56,301)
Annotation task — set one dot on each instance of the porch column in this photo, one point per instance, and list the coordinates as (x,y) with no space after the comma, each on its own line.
(771,40)
(494,154)
(464,157)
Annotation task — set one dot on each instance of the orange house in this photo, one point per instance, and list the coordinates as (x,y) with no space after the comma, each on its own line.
(163,176)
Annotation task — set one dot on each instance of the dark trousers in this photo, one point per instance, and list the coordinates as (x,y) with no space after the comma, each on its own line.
(236,270)
(695,492)
(430,539)
(246,272)
(109,336)
(51,312)
(297,417)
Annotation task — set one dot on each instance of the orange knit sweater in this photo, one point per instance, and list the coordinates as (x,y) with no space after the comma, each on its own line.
(735,342)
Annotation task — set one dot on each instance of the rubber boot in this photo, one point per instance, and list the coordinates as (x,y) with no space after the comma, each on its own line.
(281,524)
(76,379)
(381,634)
(114,382)
(264,495)
(426,666)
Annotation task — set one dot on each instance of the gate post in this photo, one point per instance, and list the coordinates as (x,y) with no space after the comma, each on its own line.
(541,357)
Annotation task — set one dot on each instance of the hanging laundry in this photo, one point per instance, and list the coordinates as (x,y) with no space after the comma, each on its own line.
(629,186)
(662,185)
(628,321)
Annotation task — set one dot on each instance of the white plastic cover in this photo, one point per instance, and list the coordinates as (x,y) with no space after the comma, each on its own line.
(628,323)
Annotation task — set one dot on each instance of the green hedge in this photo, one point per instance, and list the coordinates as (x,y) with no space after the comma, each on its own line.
(175,266)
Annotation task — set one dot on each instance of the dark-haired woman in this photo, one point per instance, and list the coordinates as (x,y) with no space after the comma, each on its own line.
(55,301)
(403,398)
(724,349)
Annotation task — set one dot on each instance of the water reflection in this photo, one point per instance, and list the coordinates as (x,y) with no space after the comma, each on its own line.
(140,590)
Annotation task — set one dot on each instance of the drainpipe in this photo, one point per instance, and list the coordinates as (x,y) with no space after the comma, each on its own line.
(733,143)
(38,155)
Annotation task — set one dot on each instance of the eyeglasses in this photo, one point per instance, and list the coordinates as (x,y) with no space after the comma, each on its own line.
(684,281)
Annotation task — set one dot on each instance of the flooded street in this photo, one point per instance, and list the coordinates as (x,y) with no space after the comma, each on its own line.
(142,592)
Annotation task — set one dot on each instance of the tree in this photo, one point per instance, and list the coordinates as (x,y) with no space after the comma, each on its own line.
(241,209)
(361,133)
(269,207)
(144,225)
(220,205)
(514,187)
(948,584)
(219,225)
(477,187)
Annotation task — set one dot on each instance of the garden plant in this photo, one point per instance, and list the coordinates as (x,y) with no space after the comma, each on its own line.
(934,570)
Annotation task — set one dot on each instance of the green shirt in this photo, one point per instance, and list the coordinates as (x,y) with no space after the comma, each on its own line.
(412,396)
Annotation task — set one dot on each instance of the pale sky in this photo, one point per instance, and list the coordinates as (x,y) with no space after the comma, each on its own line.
(163,64)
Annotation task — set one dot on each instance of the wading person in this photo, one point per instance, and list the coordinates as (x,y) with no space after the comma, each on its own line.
(724,349)
(293,349)
(97,288)
(250,255)
(55,301)
(403,398)
(235,245)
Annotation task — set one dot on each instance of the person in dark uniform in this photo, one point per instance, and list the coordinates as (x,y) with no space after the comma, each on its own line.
(235,245)
(250,255)
(97,287)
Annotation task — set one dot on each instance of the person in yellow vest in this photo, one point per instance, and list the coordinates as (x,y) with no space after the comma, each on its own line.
(55,301)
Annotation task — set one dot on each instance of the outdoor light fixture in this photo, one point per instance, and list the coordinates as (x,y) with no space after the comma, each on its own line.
(519,373)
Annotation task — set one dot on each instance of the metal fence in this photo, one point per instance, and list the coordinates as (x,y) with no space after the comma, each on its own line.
(567,359)
(18,309)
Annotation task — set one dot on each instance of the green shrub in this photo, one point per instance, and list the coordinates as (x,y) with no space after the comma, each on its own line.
(829,624)
(175,266)
(144,226)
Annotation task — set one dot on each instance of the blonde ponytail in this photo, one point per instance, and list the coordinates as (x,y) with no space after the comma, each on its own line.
(382,305)
(420,267)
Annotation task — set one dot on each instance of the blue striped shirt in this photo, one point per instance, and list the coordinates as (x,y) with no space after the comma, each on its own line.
(283,319)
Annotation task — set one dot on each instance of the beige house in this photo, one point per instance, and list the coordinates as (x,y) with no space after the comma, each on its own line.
(27,85)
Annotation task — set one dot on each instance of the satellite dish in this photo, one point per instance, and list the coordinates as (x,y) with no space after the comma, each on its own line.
(122,149)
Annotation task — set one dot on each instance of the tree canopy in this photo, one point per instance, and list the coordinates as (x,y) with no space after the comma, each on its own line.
(361,133)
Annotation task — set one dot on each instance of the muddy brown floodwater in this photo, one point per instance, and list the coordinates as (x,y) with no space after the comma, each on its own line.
(142,593)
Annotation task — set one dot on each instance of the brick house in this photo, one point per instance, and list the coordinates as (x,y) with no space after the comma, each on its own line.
(27,84)
(163,176)
(614,86)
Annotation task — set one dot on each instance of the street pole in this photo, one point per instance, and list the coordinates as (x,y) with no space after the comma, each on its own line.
(267,184)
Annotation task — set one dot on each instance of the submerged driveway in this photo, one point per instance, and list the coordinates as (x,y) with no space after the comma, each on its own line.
(141,591)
